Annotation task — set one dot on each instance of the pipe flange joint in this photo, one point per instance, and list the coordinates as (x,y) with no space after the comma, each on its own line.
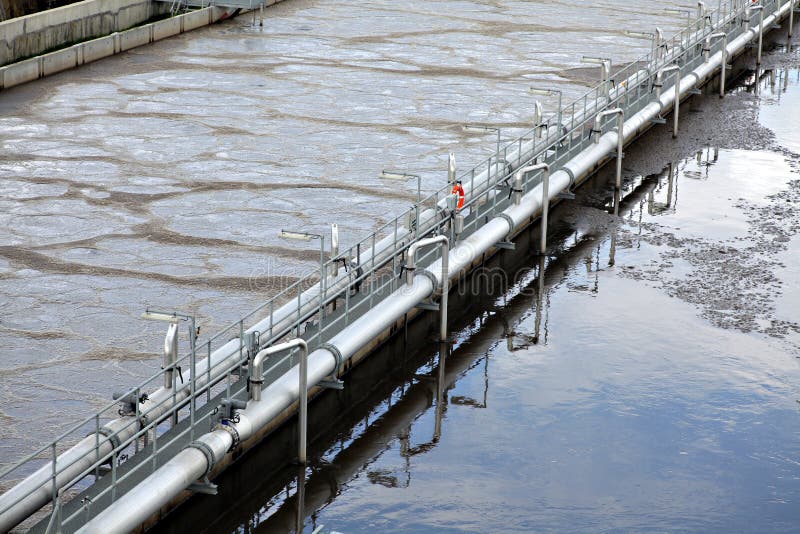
(571,176)
(208,452)
(337,355)
(230,429)
(430,276)
(109,434)
(510,222)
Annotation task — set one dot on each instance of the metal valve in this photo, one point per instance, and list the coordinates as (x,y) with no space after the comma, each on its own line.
(227,411)
(129,401)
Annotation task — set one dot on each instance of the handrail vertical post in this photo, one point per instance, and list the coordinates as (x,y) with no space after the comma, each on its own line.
(193,383)
(97,445)
(208,373)
(301,453)
(55,472)
(620,146)
(322,279)
(137,414)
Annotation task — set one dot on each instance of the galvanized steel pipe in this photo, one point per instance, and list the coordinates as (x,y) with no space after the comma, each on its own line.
(411,267)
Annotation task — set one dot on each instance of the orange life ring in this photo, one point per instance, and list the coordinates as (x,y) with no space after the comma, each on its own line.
(458,190)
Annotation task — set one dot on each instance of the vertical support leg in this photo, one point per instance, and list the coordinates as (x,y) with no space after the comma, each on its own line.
(760,36)
(791,17)
(539,301)
(302,431)
(669,184)
(613,249)
(620,144)
(437,422)
(676,111)
(445,291)
(301,499)
(545,206)
(723,67)
(261,15)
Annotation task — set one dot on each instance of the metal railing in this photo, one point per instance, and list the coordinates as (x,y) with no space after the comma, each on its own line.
(358,286)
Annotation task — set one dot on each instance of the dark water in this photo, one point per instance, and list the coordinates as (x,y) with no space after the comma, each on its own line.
(657,387)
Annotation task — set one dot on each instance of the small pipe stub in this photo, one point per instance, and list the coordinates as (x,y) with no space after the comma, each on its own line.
(409,271)
(228,409)
(451,168)
(251,344)
(458,224)
(129,401)
(516,189)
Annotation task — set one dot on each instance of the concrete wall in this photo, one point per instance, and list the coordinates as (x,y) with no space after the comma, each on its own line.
(86,52)
(32,35)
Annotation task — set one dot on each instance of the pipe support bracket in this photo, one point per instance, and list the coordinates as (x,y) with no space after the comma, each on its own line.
(571,175)
(510,222)
(430,276)
(337,355)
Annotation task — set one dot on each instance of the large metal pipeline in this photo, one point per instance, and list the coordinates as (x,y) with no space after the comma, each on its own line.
(153,492)
(81,457)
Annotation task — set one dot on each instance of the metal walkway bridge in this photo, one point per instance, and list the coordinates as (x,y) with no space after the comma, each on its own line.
(233,388)
(178,5)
